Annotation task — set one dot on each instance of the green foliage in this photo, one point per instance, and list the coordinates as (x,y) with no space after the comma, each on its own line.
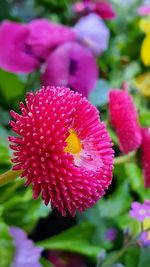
(4,148)
(6,245)
(76,239)
(120,62)
(135,256)
(11,87)
(22,206)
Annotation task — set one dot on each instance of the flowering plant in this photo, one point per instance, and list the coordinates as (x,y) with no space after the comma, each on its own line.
(74,133)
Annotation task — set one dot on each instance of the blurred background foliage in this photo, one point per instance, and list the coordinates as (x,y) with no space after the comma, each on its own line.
(121,62)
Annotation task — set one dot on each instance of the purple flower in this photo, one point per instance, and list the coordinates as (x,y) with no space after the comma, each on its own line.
(111,234)
(22,47)
(26,255)
(93,33)
(14,53)
(145,238)
(144,10)
(140,211)
(71,65)
(46,35)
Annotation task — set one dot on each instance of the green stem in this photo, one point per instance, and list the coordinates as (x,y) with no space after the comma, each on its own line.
(114,258)
(124,159)
(9,176)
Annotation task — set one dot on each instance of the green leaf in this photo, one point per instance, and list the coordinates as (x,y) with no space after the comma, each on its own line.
(6,246)
(11,86)
(99,96)
(144,119)
(45,262)
(131,70)
(76,239)
(28,210)
(136,180)
(4,147)
(132,256)
(136,256)
(144,257)
(4,10)
(118,203)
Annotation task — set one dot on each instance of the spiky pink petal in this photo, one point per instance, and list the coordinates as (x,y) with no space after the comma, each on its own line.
(124,119)
(145,154)
(68,182)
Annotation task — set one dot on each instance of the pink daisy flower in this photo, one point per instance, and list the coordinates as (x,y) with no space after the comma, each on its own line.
(64,149)
(15,55)
(71,65)
(145,156)
(124,119)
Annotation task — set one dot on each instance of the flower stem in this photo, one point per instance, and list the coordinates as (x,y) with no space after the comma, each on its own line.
(124,159)
(9,176)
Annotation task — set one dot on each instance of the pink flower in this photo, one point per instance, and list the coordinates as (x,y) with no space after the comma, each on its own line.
(71,65)
(140,211)
(102,8)
(145,156)
(64,149)
(93,33)
(46,35)
(15,55)
(124,119)
(144,10)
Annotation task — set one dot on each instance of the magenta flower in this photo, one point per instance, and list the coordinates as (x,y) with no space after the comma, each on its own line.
(140,211)
(144,10)
(46,35)
(102,8)
(71,65)
(105,10)
(93,33)
(145,156)
(26,255)
(15,55)
(124,119)
(64,149)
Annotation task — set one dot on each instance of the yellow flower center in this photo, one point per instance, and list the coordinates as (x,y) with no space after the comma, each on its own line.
(146,223)
(74,145)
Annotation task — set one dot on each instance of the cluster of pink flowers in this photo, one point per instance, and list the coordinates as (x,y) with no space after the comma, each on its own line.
(64,55)
(124,119)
